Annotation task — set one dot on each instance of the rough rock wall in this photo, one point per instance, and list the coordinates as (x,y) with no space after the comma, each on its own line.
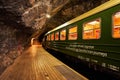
(12,42)
(13,9)
(30,13)
(73,9)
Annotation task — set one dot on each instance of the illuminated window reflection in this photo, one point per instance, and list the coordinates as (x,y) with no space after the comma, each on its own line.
(48,38)
(116,25)
(52,36)
(72,33)
(63,35)
(91,30)
(57,36)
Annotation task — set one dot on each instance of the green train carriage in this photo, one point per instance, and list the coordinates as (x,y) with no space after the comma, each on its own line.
(93,37)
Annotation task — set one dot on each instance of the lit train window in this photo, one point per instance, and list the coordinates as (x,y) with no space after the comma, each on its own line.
(63,35)
(57,36)
(52,36)
(48,38)
(91,30)
(72,33)
(116,25)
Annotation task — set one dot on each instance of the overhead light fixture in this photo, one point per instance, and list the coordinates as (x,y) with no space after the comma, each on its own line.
(48,15)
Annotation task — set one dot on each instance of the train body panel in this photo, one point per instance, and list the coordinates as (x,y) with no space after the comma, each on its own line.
(94,39)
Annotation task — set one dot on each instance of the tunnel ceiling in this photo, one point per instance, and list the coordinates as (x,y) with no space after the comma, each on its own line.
(30,15)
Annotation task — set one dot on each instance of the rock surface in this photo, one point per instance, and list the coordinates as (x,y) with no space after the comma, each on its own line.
(12,43)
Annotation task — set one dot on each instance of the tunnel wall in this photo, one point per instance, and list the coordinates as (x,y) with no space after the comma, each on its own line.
(12,42)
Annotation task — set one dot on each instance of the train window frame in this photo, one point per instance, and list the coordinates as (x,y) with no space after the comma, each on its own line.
(95,32)
(115,34)
(56,39)
(73,33)
(62,39)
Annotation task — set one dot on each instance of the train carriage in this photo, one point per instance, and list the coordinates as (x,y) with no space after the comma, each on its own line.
(93,37)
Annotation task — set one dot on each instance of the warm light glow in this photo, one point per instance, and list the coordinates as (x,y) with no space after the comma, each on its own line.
(73,30)
(94,22)
(117,15)
(32,41)
(91,30)
(73,33)
(116,25)
(48,16)
(63,35)
(52,36)
(57,36)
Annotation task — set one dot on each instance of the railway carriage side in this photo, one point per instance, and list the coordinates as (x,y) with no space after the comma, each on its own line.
(94,39)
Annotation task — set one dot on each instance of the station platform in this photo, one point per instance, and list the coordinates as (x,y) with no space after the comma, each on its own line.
(37,64)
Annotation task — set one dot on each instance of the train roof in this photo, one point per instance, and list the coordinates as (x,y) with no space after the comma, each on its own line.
(100,8)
